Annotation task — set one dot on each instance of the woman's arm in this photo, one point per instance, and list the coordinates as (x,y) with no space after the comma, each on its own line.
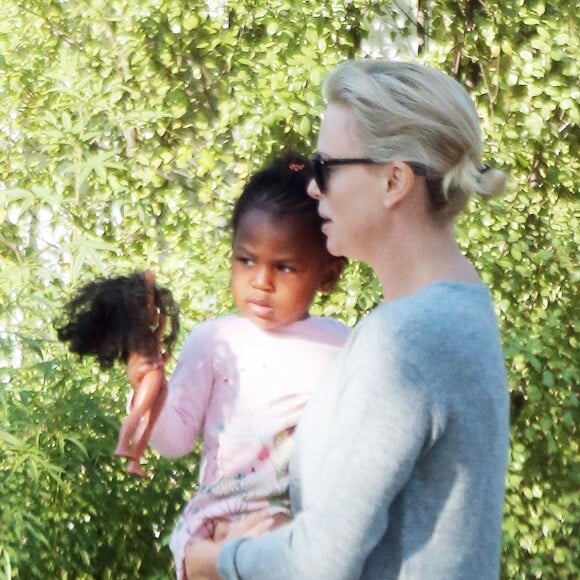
(375,434)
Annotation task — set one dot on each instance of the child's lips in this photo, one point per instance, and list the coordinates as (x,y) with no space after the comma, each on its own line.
(260,308)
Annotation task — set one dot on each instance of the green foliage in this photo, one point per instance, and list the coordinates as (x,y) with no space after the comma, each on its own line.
(67,508)
(126,131)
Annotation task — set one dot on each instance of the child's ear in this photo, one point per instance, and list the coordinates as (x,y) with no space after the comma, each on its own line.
(332,272)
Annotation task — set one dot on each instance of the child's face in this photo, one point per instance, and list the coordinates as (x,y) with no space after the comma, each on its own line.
(278,264)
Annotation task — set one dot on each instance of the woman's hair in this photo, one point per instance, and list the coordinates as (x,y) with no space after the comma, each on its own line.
(413,113)
(280,189)
(110,318)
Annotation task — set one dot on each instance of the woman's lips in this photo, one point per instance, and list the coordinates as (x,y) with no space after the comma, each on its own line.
(326,221)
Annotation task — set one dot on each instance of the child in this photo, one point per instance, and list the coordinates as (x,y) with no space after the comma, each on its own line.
(124,318)
(242,381)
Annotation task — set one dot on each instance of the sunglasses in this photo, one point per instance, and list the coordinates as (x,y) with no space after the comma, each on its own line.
(321,167)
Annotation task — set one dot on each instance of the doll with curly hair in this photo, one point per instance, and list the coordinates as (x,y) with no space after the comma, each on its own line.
(125,318)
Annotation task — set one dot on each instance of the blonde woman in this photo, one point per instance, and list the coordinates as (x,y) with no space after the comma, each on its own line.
(400,459)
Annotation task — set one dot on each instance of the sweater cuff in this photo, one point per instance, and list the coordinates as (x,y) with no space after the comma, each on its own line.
(226,563)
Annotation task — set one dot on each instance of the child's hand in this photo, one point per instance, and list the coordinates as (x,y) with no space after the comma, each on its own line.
(201,557)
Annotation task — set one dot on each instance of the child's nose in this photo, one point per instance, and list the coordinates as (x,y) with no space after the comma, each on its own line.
(263,279)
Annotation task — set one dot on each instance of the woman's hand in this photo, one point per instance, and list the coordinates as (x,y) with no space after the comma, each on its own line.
(201,557)
(201,560)
(252,526)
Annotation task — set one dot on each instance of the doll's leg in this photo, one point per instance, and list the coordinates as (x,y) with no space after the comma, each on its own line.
(137,449)
(141,438)
(145,396)
(134,468)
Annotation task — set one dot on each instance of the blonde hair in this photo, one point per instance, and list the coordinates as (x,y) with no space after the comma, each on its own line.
(410,112)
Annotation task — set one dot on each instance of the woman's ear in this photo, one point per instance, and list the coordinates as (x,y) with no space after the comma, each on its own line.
(399,181)
(332,271)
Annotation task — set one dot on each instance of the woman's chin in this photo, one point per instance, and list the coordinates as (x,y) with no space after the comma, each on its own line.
(333,248)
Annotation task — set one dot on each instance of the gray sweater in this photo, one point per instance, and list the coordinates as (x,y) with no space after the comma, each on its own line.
(401,456)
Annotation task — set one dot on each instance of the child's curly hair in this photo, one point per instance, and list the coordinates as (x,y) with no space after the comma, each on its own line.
(109,318)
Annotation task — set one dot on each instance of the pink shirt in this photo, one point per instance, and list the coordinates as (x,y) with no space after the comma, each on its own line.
(243,390)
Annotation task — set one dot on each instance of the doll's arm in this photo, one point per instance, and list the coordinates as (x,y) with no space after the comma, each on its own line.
(159,332)
(144,427)
(157,318)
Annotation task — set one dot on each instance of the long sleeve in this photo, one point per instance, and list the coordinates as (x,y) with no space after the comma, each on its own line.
(181,419)
(400,459)
(363,447)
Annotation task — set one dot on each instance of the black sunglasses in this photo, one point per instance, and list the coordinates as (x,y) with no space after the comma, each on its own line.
(320,167)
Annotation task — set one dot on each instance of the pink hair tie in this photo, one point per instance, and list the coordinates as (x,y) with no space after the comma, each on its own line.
(295,166)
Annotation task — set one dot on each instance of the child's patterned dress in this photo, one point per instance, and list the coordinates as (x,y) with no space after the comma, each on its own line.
(242,389)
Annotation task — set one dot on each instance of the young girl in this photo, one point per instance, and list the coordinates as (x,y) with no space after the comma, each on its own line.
(242,381)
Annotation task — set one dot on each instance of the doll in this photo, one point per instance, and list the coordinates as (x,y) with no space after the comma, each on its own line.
(125,318)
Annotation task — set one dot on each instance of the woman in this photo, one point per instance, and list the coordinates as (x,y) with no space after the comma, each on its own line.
(400,459)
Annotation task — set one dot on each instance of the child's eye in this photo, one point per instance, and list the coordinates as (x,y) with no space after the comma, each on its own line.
(285,268)
(244,260)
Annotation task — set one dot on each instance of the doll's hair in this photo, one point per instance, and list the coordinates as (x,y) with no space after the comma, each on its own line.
(109,318)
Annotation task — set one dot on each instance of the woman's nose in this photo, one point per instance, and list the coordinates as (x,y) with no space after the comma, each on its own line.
(313,190)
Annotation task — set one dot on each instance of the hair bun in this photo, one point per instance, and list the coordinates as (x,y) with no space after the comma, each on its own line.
(491,183)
